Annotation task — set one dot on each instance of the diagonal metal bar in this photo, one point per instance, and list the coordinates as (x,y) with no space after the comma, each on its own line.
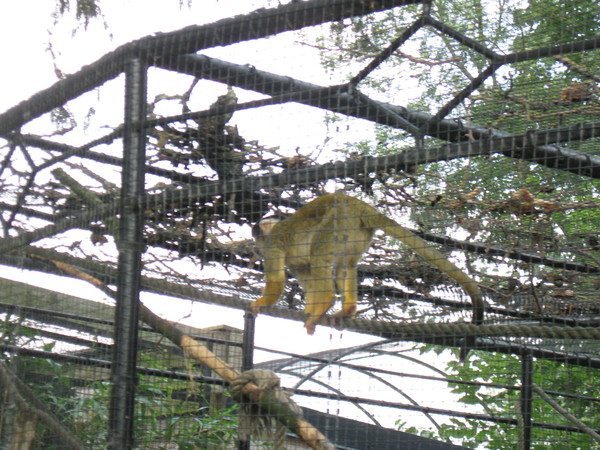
(84,151)
(460,37)
(518,254)
(387,52)
(463,94)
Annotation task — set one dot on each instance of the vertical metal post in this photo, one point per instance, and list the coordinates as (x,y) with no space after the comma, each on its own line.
(247,360)
(248,341)
(526,397)
(129,242)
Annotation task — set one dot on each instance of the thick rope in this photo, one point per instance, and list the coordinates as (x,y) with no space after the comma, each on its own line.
(401,330)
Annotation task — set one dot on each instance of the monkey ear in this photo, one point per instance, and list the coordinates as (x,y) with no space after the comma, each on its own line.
(267,224)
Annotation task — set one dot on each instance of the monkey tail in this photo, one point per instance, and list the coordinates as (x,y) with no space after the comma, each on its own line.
(437,259)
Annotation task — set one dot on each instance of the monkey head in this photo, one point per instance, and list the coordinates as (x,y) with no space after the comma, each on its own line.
(265,225)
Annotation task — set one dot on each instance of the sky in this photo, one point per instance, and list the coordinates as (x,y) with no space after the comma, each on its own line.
(29,67)
(28,25)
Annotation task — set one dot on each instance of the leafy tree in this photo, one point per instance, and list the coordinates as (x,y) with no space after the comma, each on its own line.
(577,387)
(495,199)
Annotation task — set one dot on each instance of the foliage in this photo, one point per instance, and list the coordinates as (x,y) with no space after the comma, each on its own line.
(85,10)
(167,411)
(578,387)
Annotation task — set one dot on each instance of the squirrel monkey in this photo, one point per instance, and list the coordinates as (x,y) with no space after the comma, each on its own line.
(322,243)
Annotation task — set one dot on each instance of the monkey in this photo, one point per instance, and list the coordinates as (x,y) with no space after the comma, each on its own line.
(322,243)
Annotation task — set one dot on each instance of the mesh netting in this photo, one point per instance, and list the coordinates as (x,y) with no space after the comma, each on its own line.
(414,184)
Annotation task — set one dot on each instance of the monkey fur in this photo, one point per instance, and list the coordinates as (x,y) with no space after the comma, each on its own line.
(322,243)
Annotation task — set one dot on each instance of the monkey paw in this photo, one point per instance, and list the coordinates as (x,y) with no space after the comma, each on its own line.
(310,326)
(328,321)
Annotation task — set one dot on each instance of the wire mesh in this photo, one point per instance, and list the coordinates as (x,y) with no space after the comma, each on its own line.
(466,132)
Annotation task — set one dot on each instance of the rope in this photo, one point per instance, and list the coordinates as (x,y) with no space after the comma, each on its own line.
(401,330)
(466,329)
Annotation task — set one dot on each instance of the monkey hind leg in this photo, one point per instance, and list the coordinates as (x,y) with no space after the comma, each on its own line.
(349,251)
(319,296)
(317,305)
(347,284)
(320,306)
